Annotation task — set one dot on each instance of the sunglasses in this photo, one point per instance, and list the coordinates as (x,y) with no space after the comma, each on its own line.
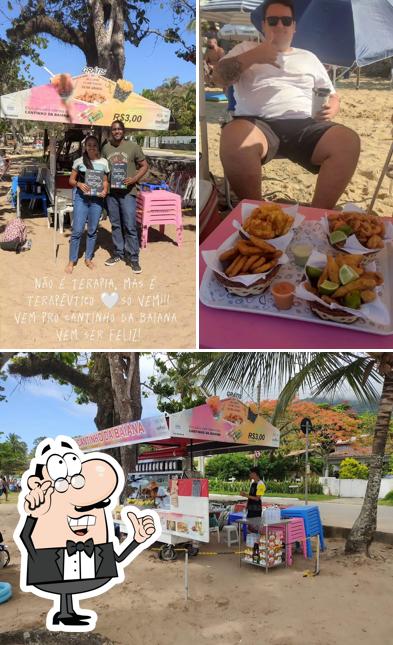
(273,21)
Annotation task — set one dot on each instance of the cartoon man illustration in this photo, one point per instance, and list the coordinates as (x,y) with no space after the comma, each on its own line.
(66,533)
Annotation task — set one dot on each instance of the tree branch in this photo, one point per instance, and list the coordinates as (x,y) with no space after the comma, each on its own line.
(44,24)
(48,365)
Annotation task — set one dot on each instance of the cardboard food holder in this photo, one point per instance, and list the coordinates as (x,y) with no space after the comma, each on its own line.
(374,311)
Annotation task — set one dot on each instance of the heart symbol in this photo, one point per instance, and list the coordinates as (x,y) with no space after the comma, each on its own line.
(110,299)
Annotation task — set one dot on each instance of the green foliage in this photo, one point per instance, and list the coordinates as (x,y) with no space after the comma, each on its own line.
(235,488)
(226,466)
(272,465)
(352,469)
(180,100)
(390,465)
(13,455)
(3,377)
(341,407)
(389,497)
(173,383)
(36,441)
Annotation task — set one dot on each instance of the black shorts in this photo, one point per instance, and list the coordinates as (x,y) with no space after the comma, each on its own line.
(294,139)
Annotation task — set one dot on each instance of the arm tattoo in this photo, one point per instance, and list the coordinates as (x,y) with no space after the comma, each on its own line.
(230,70)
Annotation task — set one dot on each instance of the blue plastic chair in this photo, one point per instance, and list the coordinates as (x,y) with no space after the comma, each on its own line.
(233,517)
(312,523)
(27,190)
(149,186)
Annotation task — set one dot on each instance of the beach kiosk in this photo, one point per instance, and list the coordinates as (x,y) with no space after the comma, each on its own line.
(85,101)
(164,478)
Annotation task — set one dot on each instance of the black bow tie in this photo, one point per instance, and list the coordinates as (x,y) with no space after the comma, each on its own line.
(72,547)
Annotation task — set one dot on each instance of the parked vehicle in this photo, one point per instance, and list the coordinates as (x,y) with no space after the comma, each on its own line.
(4,553)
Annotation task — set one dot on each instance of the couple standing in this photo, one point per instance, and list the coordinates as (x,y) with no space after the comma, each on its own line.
(124,163)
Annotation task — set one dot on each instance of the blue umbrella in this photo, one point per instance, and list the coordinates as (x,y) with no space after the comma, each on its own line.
(342,32)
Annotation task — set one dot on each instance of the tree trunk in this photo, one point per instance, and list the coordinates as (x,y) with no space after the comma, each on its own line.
(362,532)
(106,416)
(126,388)
(102,42)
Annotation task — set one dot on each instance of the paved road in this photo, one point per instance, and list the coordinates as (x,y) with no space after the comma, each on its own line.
(340,512)
(345,513)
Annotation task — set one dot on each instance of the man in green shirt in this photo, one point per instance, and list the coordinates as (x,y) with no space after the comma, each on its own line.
(127,166)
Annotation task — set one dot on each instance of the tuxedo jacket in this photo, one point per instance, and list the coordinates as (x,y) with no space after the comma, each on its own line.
(47,565)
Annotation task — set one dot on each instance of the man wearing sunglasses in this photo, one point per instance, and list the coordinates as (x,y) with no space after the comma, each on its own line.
(128,165)
(273,86)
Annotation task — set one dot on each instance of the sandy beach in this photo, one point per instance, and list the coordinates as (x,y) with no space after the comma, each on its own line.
(104,308)
(349,602)
(368,111)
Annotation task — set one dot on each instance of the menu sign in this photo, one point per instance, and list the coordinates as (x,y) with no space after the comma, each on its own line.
(95,180)
(226,420)
(118,175)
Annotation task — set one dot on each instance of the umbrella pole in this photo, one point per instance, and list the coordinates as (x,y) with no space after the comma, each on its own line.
(204,157)
(52,170)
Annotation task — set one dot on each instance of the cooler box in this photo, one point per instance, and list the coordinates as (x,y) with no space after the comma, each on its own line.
(209,216)
(63,181)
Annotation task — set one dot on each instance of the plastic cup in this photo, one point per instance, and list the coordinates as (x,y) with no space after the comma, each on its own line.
(301,252)
(320,97)
(283,294)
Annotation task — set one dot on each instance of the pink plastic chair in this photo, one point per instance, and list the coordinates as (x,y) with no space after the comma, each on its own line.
(159,207)
(296,533)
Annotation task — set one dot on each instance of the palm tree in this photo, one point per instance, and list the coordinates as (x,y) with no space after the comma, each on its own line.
(321,373)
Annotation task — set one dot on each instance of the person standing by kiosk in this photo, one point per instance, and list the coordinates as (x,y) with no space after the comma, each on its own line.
(127,165)
(257,489)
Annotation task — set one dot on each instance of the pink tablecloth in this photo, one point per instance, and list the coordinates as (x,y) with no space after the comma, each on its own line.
(225,329)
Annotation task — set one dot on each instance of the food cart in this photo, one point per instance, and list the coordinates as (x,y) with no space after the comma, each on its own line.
(164,478)
(84,102)
(180,497)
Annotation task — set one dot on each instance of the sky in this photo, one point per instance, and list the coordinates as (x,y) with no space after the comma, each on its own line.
(37,408)
(146,66)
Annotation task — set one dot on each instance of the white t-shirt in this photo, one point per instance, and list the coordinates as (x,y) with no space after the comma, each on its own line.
(98,164)
(285,93)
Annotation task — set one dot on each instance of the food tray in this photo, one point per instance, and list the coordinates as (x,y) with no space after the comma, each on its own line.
(213,294)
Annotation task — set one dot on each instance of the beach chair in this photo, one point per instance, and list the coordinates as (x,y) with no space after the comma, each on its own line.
(59,207)
(214,526)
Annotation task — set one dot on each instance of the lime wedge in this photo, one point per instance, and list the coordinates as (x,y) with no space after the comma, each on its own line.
(327,287)
(353,300)
(345,228)
(337,236)
(347,274)
(313,274)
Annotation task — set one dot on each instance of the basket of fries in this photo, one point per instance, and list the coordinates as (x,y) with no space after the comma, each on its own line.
(245,267)
(269,221)
(341,289)
(356,232)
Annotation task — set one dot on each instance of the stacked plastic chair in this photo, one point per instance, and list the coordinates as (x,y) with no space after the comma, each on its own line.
(312,522)
(159,207)
(295,533)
